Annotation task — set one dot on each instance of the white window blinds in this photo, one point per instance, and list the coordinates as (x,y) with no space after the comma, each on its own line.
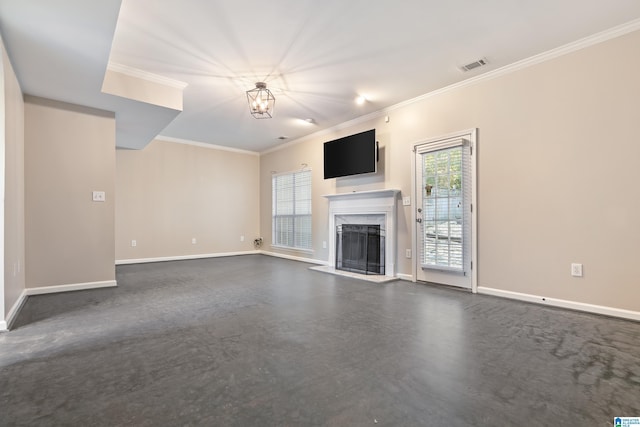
(446,206)
(291,210)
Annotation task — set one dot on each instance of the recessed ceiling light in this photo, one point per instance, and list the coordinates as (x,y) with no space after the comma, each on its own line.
(305,122)
(361,99)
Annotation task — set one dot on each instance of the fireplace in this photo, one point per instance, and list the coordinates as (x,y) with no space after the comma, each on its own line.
(360,248)
(367,210)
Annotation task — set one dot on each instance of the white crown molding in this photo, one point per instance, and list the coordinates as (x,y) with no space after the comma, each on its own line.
(205,145)
(585,42)
(340,126)
(533,60)
(145,75)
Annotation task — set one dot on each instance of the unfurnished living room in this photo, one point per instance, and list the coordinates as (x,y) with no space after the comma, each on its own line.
(298,213)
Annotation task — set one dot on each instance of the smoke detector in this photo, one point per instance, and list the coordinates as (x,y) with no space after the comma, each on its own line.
(473,65)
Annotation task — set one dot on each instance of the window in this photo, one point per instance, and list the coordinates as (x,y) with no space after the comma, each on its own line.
(446,226)
(291,210)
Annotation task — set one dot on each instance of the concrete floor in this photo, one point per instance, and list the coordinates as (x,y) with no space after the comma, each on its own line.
(261,341)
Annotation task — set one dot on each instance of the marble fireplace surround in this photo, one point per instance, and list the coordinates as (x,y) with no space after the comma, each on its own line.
(365,207)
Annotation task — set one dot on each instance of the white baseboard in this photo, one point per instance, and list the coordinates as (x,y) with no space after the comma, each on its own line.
(41,290)
(6,324)
(183,257)
(295,258)
(407,277)
(571,305)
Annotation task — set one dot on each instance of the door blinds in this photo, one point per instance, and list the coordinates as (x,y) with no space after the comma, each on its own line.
(446,207)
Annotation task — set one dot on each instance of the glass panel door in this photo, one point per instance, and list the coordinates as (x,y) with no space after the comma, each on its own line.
(442,208)
(443,200)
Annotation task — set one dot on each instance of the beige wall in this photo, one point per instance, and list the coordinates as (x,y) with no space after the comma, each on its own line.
(311,153)
(69,153)
(170,193)
(549,192)
(14,277)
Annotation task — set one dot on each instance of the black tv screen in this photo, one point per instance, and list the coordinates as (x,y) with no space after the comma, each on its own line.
(351,155)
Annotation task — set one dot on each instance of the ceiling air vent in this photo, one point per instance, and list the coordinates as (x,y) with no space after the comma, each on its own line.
(282,138)
(473,65)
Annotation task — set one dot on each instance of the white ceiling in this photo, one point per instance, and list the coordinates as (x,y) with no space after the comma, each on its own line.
(315,56)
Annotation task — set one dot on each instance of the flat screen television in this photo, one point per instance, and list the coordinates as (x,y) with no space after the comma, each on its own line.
(351,155)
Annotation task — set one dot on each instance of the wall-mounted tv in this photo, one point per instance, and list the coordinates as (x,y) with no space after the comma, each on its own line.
(351,155)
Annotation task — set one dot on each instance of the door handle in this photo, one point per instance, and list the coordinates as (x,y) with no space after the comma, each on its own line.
(418,220)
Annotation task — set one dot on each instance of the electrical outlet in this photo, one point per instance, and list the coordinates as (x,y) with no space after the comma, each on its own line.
(194,241)
(133,243)
(576,270)
(406,201)
(99,196)
(324,244)
(242,238)
(408,253)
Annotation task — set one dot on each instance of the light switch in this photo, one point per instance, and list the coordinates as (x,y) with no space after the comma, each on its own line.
(576,270)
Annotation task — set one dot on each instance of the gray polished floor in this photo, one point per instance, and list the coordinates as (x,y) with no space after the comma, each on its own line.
(261,341)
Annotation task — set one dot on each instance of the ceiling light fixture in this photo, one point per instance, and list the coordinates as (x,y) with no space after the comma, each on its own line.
(261,101)
(361,99)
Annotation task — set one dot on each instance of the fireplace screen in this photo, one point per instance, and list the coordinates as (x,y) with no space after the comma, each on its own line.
(360,248)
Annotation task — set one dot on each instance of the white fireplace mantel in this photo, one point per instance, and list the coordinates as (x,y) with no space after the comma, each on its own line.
(374,202)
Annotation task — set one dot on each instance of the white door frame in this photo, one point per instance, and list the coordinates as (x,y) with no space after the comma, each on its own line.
(471,135)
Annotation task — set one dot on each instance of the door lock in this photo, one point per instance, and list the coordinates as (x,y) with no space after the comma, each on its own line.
(418,220)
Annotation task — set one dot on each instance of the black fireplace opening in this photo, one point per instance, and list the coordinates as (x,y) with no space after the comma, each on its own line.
(360,248)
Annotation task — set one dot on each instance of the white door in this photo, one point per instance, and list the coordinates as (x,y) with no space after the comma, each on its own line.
(444,193)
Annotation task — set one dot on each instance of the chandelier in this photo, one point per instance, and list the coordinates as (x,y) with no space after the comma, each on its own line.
(261,101)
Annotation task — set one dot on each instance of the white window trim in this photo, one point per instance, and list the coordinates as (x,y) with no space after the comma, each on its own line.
(273,231)
(471,134)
